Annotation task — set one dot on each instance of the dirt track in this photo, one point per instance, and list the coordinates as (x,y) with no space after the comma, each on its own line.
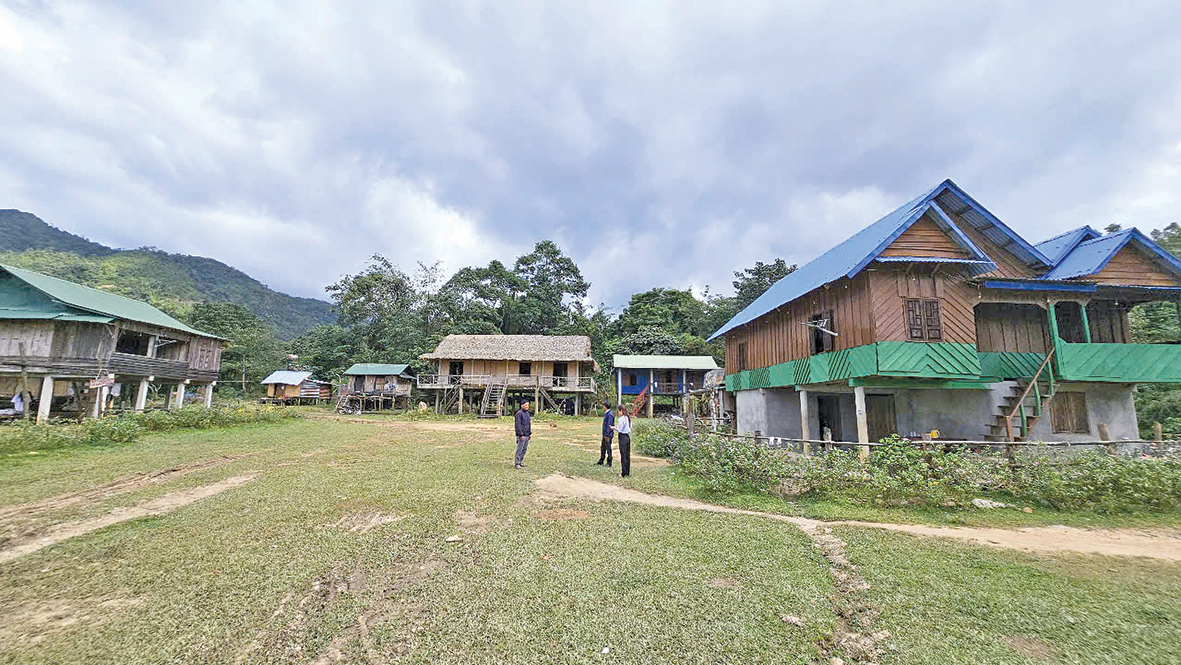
(1164,545)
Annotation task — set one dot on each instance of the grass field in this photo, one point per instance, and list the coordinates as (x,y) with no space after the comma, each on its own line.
(334,549)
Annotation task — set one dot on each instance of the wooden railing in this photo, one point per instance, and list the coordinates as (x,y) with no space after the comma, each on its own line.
(1019,407)
(581,383)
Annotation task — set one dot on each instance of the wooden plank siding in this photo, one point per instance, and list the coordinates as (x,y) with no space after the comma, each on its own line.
(1132,267)
(891,288)
(1108,322)
(925,239)
(781,335)
(1005,327)
(1008,264)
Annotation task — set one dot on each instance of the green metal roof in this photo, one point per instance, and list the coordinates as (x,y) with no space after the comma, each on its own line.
(375,369)
(26,314)
(665,362)
(94,301)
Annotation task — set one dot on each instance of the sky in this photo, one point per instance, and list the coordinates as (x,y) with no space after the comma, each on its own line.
(658,143)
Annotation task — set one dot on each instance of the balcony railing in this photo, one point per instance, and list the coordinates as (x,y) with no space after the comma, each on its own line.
(570,383)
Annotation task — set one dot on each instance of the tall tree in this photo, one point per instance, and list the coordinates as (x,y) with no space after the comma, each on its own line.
(751,283)
(554,286)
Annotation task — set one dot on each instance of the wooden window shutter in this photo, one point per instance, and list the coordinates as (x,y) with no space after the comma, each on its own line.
(1068,413)
(829,339)
(933,321)
(914,319)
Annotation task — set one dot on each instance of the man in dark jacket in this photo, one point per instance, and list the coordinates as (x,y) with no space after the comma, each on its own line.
(608,434)
(524,429)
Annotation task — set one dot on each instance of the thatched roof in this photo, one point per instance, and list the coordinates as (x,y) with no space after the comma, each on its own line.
(569,348)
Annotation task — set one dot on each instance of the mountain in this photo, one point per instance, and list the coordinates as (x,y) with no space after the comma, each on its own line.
(173,282)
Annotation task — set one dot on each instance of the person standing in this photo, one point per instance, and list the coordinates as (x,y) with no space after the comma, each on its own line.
(623,426)
(524,430)
(608,434)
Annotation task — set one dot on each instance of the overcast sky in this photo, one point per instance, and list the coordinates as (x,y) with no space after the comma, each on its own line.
(659,143)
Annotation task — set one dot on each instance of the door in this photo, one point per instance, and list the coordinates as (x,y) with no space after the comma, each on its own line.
(359,384)
(560,370)
(828,412)
(456,368)
(880,416)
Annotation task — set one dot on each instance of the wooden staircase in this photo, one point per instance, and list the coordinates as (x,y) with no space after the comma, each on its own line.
(493,401)
(1025,404)
(450,398)
(546,398)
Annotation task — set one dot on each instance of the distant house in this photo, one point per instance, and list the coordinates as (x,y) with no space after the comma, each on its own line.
(497,369)
(288,386)
(662,375)
(89,349)
(383,385)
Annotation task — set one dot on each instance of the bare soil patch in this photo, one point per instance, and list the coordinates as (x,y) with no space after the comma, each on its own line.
(1030,647)
(27,625)
(363,523)
(475,524)
(721,583)
(1162,544)
(160,505)
(560,514)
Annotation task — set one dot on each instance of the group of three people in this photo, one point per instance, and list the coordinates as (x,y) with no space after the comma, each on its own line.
(611,425)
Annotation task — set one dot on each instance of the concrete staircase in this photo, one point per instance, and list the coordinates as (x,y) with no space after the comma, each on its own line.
(1036,402)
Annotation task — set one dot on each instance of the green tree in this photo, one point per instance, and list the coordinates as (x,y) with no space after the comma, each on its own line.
(251,350)
(750,283)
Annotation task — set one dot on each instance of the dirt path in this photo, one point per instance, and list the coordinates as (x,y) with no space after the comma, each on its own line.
(158,506)
(1164,545)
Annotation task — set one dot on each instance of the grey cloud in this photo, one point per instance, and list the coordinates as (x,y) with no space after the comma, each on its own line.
(663,144)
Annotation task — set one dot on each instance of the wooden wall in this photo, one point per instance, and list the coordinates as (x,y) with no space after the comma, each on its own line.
(1012,327)
(891,288)
(81,340)
(1108,322)
(36,335)
(781,335)
(205,354)
(574,369)
(925,238)
(1131,266)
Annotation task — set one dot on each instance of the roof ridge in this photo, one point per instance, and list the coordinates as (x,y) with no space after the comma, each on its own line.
(1066,233)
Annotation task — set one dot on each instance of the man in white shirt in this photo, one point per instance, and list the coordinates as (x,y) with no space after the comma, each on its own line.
(623,427)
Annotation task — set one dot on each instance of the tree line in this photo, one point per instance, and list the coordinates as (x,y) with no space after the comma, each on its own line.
(388,315)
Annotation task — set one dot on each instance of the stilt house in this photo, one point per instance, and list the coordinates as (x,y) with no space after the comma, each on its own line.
(82,346)
(377,385)
(292,387)
(662,375)
(483,373)
(940,317)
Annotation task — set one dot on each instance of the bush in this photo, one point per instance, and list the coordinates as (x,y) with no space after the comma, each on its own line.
(1098,481)
(657,438)
(22,436)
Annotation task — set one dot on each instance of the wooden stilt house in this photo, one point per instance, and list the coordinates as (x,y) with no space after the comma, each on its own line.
(375,386)
(73,350)
(939,316)
(661,376)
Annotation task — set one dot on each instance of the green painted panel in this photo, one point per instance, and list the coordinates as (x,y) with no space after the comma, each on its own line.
(1120,363)
(1010,364)
(942,360)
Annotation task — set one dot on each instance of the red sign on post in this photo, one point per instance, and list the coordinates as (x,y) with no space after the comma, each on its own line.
(103,381)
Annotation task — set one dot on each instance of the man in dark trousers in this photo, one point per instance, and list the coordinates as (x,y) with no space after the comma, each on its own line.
(623,425)
(608,434)
(524,429)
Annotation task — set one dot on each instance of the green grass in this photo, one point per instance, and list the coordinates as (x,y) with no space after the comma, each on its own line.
(652,585)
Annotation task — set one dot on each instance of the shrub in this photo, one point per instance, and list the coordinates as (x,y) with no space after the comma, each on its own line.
(24,436)
(657,438)
(1098,481)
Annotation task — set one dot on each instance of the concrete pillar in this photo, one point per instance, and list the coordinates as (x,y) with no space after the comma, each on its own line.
(178,399)
(805,421)
(862,423)
(45,402)
(436,401)
(209,394)
(578,404)
(141,396)
(96,397)
(618,388)
(651,393)
(460,400)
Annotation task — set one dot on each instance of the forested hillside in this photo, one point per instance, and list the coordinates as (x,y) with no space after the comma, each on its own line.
(173,282)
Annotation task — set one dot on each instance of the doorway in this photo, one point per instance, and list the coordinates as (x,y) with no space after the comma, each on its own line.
(880,416)
(828,412)
(456,368)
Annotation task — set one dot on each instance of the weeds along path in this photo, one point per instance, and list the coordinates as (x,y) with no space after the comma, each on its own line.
(158,506)
(1162,544)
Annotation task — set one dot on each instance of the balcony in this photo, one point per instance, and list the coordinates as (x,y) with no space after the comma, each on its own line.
(1119,363)
(520,381)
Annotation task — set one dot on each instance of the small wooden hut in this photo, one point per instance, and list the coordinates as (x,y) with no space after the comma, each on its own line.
(291,387)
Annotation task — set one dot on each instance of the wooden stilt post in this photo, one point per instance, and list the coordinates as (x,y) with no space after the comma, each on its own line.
(460,400)
(26,396)
(436,401)
(578,404)
(805,422)
(537,396)
(651,393)
(862,424)
(45,402)
(618,387)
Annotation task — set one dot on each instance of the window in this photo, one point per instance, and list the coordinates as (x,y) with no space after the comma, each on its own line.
(821,325)
(741,359)
(525,369)
(923,322)
(456,368)
(631,378)
(1068,413)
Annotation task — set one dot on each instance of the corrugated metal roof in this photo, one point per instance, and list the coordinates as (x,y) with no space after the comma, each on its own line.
(1092,256)
(665,362)
(99,302)
(849,257)
(933,259)
(28,314)
(1060,245)
(287,377)
(375,369)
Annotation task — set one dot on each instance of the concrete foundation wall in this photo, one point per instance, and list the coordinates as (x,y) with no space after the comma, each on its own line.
(957,414)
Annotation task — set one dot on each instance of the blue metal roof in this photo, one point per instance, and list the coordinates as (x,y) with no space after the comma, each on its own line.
(1060,245)
(1092,256)
(934,259)
(851,256)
